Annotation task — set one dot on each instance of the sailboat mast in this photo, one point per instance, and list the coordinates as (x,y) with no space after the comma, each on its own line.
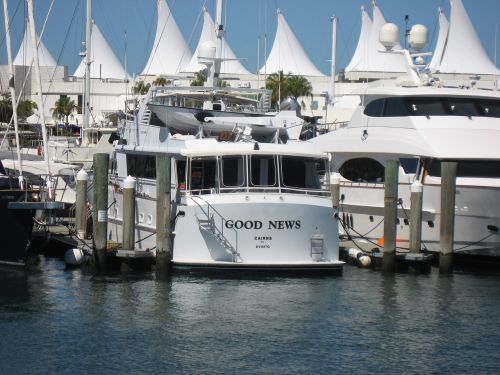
(88,45)
(36,66)
(219,33)
(334,56)
(12,90)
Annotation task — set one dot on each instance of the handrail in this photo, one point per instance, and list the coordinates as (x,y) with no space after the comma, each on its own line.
(215,229)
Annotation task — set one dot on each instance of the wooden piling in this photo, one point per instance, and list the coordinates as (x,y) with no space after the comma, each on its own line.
(128,242)
(447,226)
(100,209)
(390,215)
(335,190)
(416,217)
(163,207)
(82,179)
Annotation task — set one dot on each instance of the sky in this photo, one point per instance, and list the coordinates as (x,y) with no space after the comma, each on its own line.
(129,26)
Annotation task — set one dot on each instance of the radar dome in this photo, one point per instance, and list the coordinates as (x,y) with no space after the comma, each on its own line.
(389,35)
(207,51)
(418,37)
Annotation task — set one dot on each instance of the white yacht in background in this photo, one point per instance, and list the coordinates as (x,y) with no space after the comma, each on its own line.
(235,204)
(421,122)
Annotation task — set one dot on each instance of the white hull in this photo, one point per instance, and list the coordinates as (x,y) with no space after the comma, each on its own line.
(278,232)
(474,212)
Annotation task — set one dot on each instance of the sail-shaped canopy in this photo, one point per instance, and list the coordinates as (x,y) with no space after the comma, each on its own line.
(24,55)
(359,60)
(441,41)
(104,64)
(208,33)
(287,54)
(170,51)
(464,52)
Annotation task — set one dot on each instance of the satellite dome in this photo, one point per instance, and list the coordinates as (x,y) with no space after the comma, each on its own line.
(389,35)
(418,37)
(207,52)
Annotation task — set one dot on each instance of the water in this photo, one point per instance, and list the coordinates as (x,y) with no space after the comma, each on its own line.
(66,322)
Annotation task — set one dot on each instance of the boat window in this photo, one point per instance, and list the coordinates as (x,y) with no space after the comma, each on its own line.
(180,167)
(409,164)
(363,170)
(297,172)
(262,170)
(433,106)
(469,168)
(142,166)
(233,171)
(375,108)
(203,173)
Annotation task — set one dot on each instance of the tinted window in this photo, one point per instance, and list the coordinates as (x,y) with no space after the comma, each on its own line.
(409,164)
(363,170)
(433,106)
(143,166)
(262,171)
(300,172)
(470,168)
(203,172)
(233,171)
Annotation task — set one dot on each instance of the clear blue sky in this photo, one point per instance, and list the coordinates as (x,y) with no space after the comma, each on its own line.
(247,21)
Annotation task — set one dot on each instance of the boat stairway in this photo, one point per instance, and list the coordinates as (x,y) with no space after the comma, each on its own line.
(207,224)
(146,117)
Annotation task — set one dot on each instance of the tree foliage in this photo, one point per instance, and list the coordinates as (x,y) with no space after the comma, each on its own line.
(140,87)
(284,86)
(161,81)
(199,79)
(25,108)
(63,108)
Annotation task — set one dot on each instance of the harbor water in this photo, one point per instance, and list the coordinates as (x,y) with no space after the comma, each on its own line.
(57,321)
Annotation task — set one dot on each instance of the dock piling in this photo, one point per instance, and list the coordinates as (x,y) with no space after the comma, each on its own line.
(447,227)
(163,208)
(100,210)
(128,242)
(390,215)
(82,179)
(416,217)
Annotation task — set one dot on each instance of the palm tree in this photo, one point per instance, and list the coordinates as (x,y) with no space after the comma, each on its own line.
(64,107)
(25,108)
(141,87)
(161,81)
(199,79)
(286,86)
(298,86)
(277,83)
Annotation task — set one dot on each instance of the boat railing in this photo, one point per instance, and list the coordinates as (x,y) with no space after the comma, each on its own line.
(213,217)
(331,126)
(256,189)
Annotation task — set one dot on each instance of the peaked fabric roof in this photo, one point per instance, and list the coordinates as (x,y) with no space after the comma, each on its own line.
(105,64)
(464,42)
(25,53)
(287,54)
(358,61)
(367,57)
(441,41)
(170,51)
(208,33)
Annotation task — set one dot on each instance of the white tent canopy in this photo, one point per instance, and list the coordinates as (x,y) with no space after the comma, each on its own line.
(437,56)
(464,52)
(287,54)
(24,55)
(105,64)
(358,61)
(170,51)
(208,33)
(367,57)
